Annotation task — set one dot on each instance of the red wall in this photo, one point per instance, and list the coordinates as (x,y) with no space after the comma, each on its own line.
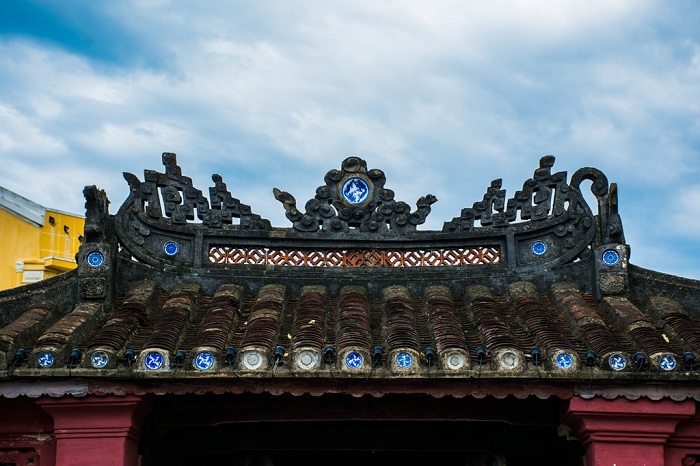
(105,430)
(635,432)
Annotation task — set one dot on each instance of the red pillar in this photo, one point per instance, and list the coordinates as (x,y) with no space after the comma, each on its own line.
(26,433)
(684,447)
(102,430)
(623,432)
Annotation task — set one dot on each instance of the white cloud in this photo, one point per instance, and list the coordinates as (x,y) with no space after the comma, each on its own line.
(444,97)
(20,134)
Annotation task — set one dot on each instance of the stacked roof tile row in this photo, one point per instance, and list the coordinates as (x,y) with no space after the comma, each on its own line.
(523,333)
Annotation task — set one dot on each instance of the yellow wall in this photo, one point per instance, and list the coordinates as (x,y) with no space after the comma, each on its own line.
(43,251)
(19,240)
(59,240)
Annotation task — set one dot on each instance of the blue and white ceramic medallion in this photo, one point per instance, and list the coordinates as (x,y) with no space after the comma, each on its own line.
(95,259)
(171,248)
(46,359)
(153,361)
(99,359)
(667,362)
(617,362)
(539,248)
(611,257)
(353,360)
(564,361)
(355,190)
(204,361)
(404,360)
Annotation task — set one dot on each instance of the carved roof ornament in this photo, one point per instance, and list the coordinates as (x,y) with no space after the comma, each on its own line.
(180,199)
(355,198)
(532,202)
(547,198)
(96,214)
(354,220)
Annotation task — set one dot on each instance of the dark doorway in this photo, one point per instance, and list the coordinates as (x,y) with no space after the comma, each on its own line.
(337,430)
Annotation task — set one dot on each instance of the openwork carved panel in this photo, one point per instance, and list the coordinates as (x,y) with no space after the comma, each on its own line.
(547,196)
(440,257)
(174,195)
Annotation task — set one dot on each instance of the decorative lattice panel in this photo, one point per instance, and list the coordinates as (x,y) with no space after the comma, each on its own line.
(355,257)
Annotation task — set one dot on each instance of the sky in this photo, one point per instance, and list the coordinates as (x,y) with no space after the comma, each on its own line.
(443,96)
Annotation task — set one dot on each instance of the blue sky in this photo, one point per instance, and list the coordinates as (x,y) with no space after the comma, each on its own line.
(442,96)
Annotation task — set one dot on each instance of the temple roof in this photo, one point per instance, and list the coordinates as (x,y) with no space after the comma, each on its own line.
(529,294)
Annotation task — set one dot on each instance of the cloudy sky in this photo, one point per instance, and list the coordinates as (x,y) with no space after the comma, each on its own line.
(444,96)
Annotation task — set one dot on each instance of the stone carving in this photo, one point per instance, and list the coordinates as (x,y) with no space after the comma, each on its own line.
(610,222)
(96,214)
(425,257)
(547,197)
(93,288)
(224,207)
(354,198)
(546,221)
(180,199)
(532,202)
(137,229)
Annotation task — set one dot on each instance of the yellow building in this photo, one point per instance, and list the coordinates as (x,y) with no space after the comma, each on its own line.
(35,242)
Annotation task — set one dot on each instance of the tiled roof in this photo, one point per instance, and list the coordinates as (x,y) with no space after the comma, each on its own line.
(551,302)
(439,333)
